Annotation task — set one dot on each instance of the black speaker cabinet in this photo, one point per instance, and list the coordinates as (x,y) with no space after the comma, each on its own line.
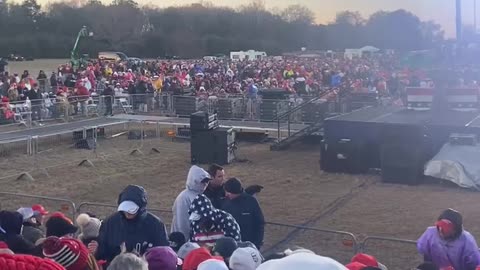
(78,135)
(213,146)
(402,163)
(88,144)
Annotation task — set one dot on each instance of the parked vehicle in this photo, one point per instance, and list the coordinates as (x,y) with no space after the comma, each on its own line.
(112,56)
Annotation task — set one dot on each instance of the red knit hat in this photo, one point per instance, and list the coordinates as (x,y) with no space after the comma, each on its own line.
(196,257)
(27,262)
(69,252)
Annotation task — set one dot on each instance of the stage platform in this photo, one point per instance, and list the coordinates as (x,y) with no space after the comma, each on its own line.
(58,129)
(65,128)
(237,125)
(396,115)
(396,140)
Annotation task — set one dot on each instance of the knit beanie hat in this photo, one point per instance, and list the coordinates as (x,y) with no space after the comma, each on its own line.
(162,258)
(20,262)
(68,252)
(186,248)
(225,246)
(59,225)
(89,226)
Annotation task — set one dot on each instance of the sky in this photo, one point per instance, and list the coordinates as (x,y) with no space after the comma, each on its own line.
(441,11)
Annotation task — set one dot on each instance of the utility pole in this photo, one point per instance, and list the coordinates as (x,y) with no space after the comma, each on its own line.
(475,15)
(459,20)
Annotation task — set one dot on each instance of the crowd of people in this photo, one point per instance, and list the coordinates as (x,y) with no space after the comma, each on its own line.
(201,78)
(217,224)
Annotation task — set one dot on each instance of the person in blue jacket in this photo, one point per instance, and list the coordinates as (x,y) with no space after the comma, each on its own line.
(132,226)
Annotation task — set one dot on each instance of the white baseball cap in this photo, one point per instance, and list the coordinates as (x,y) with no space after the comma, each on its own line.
(26,213)
(247,258)
(128,207)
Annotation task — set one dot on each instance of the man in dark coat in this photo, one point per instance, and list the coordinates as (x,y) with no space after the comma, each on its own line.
(10,233)
(36,99)
(246,211)
(214,190)
(108,96)
(131,226)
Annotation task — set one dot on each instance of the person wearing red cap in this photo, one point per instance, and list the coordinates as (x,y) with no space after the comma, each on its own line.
(69,252)
(196,257)
(27,262)
(361,261)
(39,213)
(448,245)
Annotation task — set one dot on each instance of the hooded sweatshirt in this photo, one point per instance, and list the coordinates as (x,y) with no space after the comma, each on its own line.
(194,187)
(303,261)
(144,231)
(460,252)
(214,220)
(10,233)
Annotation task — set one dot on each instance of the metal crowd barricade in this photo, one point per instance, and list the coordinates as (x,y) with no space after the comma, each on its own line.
(103,210)
(340,245)
(395,253)
(12,201)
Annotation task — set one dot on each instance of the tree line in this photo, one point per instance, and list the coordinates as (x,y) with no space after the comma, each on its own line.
(199,29)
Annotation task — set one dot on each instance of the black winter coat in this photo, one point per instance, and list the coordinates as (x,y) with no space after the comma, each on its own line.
(143,232)
(18,244)
(246,211)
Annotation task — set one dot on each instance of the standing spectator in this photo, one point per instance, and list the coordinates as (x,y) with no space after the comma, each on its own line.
(53,81)
(60,226)
(246,211)
(25,74)
(39,213)
(108,96)
(162,258)
(128,261)
(15,262)
(303,261)
(10,233)
(247,258)
(35,98)
(197,181)
(209,224)
(214,190)
(131,225)
(42,80)
(89,227)
(69,252)
(82,94)
(31,228)
(448,245)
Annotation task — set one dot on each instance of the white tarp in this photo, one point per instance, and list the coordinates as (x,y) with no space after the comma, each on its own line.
(459,164)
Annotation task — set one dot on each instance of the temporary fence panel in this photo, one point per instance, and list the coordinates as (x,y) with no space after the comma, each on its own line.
(394,253)
(15,157)
(13,201)
(102,211)
(341,246)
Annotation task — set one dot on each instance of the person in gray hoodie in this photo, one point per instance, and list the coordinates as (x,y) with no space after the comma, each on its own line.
(197,181)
